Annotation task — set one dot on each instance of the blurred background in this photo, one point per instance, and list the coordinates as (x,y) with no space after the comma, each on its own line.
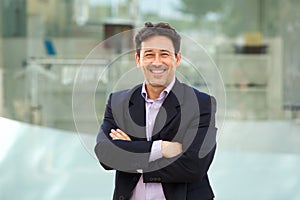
(45,44)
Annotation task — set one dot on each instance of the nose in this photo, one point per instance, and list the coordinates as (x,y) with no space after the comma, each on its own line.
(157,60)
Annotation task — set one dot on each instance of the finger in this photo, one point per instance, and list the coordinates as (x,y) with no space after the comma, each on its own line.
(119,134)
(113,131)
(116,135)
(120,131)
(123,134)
(113,136)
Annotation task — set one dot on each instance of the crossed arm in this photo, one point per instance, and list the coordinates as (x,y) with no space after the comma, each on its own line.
(116,150)
(168,149)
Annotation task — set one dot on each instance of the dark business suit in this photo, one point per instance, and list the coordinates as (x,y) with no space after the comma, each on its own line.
(186,116)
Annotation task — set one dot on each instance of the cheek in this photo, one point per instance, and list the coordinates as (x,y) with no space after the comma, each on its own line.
(173,66)
(144,69)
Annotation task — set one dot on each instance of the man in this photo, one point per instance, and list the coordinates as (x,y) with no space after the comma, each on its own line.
(159,136)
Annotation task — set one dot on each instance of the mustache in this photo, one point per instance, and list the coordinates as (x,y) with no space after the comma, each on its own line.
(162,67)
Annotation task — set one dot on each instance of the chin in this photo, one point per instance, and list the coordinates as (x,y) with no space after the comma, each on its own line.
(158,84)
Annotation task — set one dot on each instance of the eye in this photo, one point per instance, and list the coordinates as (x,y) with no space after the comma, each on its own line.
(148,55)
(164,55)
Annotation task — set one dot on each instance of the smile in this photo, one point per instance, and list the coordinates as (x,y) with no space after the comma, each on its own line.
(157,71)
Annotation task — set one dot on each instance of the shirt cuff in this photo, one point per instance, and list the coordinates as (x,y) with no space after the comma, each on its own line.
(155,151)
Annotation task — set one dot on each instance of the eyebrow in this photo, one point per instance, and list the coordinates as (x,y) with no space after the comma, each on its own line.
(161,50)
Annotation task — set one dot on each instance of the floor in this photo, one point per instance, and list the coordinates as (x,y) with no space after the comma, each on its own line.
(255,160)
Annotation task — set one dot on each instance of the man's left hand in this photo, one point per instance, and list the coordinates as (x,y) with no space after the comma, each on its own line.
(118,134)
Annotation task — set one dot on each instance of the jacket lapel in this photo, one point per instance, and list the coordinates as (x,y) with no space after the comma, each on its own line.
(169,109)
(137,113)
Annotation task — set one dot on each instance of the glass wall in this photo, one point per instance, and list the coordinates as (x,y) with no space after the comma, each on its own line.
(71,29)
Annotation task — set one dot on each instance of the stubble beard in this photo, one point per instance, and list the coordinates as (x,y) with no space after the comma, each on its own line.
(157,80)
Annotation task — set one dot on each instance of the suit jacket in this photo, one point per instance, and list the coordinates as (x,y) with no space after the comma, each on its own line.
(186,116)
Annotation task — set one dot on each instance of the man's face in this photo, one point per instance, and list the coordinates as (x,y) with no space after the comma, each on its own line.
(157,60)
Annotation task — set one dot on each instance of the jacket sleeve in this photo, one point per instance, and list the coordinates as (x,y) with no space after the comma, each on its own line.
(197,155)
(119,154)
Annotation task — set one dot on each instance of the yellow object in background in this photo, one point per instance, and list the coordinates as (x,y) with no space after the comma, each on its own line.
(253,39)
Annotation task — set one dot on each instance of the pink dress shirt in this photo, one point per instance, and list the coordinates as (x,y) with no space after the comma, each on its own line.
(151,191)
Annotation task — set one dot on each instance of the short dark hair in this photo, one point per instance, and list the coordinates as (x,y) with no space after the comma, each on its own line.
(163,29)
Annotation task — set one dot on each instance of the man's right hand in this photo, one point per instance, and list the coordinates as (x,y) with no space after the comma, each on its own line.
(171,149)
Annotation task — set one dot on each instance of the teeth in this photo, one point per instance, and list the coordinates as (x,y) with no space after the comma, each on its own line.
(157,71)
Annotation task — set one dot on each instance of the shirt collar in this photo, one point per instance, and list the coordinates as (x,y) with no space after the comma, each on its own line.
(162,95)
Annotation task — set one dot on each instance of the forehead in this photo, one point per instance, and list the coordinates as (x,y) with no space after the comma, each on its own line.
(157,43)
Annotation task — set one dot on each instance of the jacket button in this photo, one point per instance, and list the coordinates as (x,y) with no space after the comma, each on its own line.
(121,197)
(151,179)
(134,179)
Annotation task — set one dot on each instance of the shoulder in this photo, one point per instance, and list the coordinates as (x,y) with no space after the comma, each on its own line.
(199,94)
(204,99)
(127,92)
(124,95)
(202,95)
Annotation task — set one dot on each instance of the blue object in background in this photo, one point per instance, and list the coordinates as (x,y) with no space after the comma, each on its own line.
(50,50)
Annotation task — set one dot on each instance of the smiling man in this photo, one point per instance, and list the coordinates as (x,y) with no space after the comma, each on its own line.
(160,135)
(158,62)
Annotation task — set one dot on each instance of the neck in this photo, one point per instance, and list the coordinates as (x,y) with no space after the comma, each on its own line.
(154,91)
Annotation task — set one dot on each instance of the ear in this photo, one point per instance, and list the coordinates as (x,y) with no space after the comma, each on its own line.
(178,58)
(137,60)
